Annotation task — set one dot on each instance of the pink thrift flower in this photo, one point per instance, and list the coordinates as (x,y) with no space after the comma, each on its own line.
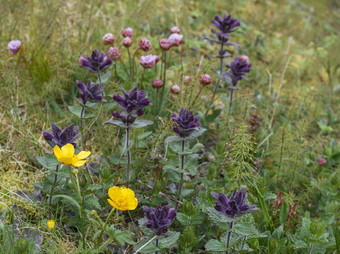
(144,44)
(108,39)
(175,89)
(114,54)
(322,162)
(165,44)
(186,80)
(176,39)
(14,46)
(148,61)
(175,30)
(127,42)
(157,84)
(205,80)
(127,32)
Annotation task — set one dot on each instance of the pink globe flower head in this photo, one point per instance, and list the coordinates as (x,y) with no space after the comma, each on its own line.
(14,46)
(127,42)
(175,30)
(205,80)
(186,80)
(114,53)
(157,84)
(175,89)
(127,32)
(148,61)
(109,39)
(176,39)
(322,162)
(165,44)
(144,44)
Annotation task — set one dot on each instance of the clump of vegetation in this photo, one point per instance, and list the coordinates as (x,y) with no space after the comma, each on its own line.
(120,135)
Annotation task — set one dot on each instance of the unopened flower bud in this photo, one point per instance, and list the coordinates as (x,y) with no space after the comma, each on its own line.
(165,44)
(114,54)
(51,225)
(75,171)
(127,42)
(157,84)
(322,162)
(108,39)
(186,80)
(93,213)
(14,46)
(144,44)
(205,80)
(175,30)
(175,89)
(211,157)
(127,32)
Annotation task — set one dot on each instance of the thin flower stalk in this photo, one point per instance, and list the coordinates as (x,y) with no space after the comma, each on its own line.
(182,175)
(231,225)
(128,156)
(52,190)
(105,224)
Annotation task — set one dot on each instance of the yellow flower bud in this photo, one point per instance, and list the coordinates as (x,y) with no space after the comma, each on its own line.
(75,171)
(51,225)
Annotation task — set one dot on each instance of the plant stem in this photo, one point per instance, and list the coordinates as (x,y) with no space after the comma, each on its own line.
(133,64)
(182,167)
(230,101)
(52,190)
(126,71)
(311,248)
(156,245)
(231,225)
(104,226)
(141,81)
(130,64)
(99,78)
(244,242)
(164,74)
(198,95)
(77,187)
(153,238)
(81,128)
(128,157)
(218,81)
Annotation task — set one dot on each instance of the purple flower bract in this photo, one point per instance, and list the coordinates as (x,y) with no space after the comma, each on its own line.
(90,92)
(233,206)
(160,218)
(61,137)
(98,62)
(186,122)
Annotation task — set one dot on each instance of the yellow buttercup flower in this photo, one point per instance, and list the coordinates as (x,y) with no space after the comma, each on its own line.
(122,198)
(66,155)
(51,225)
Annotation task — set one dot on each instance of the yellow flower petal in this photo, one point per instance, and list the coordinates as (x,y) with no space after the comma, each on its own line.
(127,193)
(57,152)
(68,151)
(83,155)
(79,163)
(114,192)
(113,204)
(133,204)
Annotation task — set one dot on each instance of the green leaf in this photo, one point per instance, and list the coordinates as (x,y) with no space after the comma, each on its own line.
(71,200)
(124,237)
(218,218)
(214,245)
(104,78)
(117,123)
(140,124)
(171,239)
(94,187)
(49,161)
(77,111)
(264,207)
(197,133)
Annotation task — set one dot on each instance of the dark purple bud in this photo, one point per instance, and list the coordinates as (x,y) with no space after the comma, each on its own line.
(98,62)
(225,26)
(159,218)
(61,137)
(238,68)
(91,92)
(234,206)
(185,123)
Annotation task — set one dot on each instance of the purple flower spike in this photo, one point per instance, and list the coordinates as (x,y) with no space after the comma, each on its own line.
(98,62)
(234,206)
(159,218)
(186,122)
(225,25)
(132,105)
(238,68)
(91,92)
(61,137)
